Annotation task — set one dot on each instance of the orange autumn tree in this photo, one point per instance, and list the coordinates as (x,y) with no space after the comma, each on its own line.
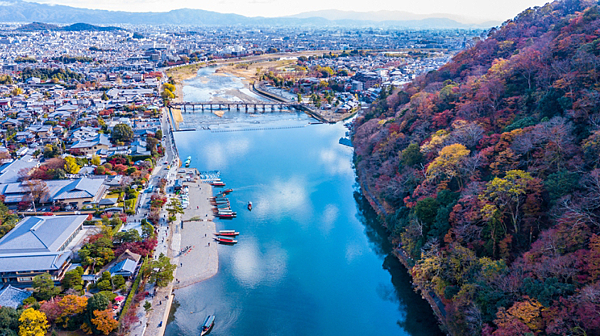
(71,305)
(104,321)
(523,317)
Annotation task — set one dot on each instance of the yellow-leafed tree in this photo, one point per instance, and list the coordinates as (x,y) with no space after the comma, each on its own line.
(448,163)
(71,165)
(32,323)
(96,160)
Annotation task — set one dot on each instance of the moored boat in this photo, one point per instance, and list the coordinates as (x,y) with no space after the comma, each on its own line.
(226,215)
(227,233)
(225,240)
(209,323)
(218,184)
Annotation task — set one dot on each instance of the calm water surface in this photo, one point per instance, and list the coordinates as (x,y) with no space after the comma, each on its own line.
(310,260)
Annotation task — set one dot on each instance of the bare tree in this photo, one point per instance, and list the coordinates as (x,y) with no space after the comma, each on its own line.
(38,191)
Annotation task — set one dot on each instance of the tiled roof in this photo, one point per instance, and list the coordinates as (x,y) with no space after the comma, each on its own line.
(13,297)
(22,262)
(40,234)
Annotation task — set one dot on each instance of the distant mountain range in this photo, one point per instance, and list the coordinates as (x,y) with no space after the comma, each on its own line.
(23,11)
(39,26)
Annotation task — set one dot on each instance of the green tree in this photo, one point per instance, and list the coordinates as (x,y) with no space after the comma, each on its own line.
(118,281)
(43,287)
(426,211)
(72,279)
(104,96)
(147,229)
(71,165)
(104,285)
(161,271)
(9,321)
(122,132)
(411,155)
(174,207)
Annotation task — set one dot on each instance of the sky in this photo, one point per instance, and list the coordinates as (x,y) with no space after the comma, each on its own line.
(498,10)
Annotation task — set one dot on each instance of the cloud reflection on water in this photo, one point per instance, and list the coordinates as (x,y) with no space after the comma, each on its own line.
(251,266)
(335,162)
(218,154)
(284,197)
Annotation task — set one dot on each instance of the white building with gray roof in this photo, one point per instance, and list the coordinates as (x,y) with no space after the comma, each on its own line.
(37,245)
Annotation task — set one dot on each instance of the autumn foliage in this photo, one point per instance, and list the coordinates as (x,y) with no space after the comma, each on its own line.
(487,172)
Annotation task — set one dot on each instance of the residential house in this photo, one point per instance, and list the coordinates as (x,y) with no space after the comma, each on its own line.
(90,146)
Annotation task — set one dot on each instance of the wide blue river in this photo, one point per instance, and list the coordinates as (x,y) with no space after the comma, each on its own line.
(311,259)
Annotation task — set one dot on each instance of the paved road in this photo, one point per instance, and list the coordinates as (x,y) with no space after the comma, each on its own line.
(149,325)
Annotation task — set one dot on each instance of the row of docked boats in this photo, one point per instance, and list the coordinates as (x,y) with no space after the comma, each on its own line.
(226,236)
(222,206)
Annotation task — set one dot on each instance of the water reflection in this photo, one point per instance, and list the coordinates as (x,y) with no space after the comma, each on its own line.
(417,316)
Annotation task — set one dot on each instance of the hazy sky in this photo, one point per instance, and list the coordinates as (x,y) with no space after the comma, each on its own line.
(480,9)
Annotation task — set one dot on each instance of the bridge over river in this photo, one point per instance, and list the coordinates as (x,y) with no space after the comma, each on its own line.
(188,107)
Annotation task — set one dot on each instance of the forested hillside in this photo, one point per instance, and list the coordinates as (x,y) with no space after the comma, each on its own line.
(488,174)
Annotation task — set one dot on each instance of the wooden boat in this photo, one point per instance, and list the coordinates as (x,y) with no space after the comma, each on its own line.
(250,206)
(223,206)
(226,215)
(225,192)
(225,240)
(217,184)
(209,323)
(227,233)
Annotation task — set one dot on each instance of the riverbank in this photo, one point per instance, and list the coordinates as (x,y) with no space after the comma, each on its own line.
(434,302)
(200,261)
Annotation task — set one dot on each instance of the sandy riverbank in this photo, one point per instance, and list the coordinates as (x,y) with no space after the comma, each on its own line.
(201,260)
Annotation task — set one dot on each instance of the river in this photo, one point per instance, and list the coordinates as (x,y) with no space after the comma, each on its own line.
(311,259)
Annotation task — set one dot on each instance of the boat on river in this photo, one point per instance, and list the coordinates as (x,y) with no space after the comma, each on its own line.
(250,206)
(217,184)
(225,215)
(227,233)
(225,240)
(209,323)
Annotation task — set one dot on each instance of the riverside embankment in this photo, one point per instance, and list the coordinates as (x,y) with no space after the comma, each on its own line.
(434,301)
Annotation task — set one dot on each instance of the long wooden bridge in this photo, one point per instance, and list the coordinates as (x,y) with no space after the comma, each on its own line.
(247,106)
